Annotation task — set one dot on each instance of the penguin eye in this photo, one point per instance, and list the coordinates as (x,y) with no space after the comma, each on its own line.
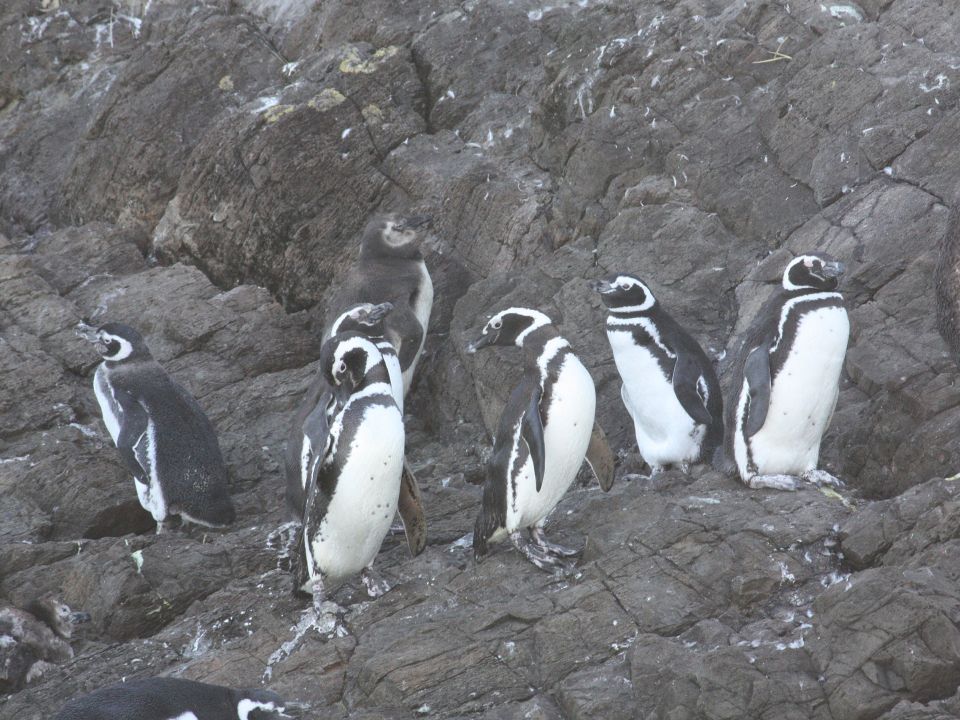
(341,368)
(497,324)
(624,286)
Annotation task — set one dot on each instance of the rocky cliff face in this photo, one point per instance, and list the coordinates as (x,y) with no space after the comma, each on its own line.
(201,171)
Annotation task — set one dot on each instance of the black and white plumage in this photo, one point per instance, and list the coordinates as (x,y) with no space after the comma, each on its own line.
(787,376)
(166,698)
(353,457)
(542,437)
(34,639)
(163,435)
(391,269)
(669,385)
(367,320)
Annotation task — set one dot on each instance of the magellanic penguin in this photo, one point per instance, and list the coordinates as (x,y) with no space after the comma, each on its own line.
(353,468)
(787,375)
(391,269)
(166,698)
(163,435)
(367,320)
(541,440)
(669,385)
(34,639)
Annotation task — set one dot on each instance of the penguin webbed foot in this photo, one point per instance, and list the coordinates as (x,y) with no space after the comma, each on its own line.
(536,534)
(375,583)
(772,482)
(822,478)
(540,556)
(328,616)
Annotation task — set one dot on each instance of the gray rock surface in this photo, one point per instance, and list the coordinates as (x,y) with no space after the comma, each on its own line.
(201,170)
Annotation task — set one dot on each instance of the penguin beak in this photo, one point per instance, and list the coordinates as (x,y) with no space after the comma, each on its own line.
(379,312)
(834,269)
(481,342)
(85,331)
(417,221)
(342,393)
(79,617)
(293,709)
(601,286)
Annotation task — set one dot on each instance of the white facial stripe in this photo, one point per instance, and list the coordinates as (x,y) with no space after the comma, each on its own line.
(353,313)
(372,354)
(245,707)
(126,349)
(539,321)
(185,716)
(792,303)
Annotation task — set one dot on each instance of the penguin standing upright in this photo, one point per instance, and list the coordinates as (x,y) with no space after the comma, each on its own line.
(669,385)
(163,435)
(787,376)
(367,320)
(354,456)
(167,698)
(541,440)
(391,269)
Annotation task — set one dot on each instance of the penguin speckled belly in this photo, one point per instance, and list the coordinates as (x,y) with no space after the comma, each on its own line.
(353,458)
(367,320)
(669,385)
(787,378)
(541,440)
(163,435)
(165,698)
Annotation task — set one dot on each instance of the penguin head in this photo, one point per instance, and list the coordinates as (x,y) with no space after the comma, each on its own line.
(364,318)
(116,342)
(509,327)
(259,705)
(813,271)
(346,360)
(57,615)
(624,294)
(395,235)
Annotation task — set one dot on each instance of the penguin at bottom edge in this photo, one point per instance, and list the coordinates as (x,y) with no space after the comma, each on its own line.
(164,698)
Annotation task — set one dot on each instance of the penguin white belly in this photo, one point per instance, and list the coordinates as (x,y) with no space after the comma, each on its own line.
(803,395)
(150,495)
(665,432)
(565,439)
(365,498)
(109,407)
(422,307)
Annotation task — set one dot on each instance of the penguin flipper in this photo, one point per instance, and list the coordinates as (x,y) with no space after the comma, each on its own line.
(405,332)
(411,511)
(531,430)
(132,440)
(493,509)
(756,373)
(686,386)
(600,458)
